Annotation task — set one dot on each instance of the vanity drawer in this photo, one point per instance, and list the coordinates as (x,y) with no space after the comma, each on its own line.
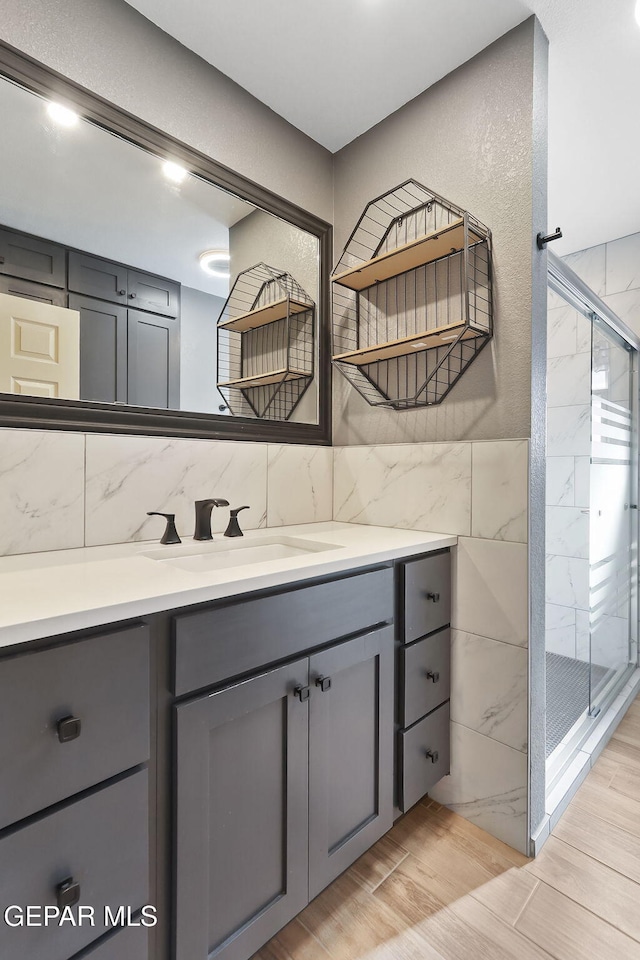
(426,676)
(427,595)
(419,772)
(103,682)
(100,843)
(216,644)
(131,943)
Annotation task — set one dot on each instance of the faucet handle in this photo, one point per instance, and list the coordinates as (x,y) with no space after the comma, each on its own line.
(170,534)
(233,527)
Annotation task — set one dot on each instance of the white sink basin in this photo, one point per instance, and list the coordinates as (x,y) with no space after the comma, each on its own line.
(200,558)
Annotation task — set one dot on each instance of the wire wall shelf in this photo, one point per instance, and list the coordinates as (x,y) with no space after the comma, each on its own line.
(266,344)
(412,298)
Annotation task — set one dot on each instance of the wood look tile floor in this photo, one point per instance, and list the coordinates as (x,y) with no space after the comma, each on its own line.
(438,888)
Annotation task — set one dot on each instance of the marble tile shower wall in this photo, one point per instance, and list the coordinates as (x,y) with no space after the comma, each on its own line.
(478,491)
(612,270)
(62,490)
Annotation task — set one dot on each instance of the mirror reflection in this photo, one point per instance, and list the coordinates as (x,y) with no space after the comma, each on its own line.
(125,279)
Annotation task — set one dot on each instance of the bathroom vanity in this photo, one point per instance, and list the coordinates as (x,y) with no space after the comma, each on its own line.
(218,741)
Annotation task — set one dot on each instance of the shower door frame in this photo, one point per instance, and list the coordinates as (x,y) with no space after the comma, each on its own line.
(568,285)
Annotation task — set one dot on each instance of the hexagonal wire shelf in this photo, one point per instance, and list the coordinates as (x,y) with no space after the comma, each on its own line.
(266,344)
(412,298)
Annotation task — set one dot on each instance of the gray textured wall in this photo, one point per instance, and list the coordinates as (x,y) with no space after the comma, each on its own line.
(263,237)
(470,138)
(198,348)
(114,51)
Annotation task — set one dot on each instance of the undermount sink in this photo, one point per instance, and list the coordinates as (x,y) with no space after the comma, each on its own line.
(216,555)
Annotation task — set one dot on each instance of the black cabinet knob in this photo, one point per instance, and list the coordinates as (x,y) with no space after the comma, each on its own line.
(121,293)
(324,683)
(433,675)
(69,728)
(432,755)
(67,893)
(302,693)
(132,296)
(1,259)
(434,597)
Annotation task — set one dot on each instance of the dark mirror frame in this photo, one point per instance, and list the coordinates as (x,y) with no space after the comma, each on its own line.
(91,417)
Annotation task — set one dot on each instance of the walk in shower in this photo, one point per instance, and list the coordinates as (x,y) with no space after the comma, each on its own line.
(591,512)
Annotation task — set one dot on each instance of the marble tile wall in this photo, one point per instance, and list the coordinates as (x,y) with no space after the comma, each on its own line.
(62,490)
(479,491)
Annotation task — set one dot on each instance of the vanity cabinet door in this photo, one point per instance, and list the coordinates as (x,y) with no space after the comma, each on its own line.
(32,259)
(242,814)
(155,294)
(103,349)
(95,277)
(153,361)
(350,752)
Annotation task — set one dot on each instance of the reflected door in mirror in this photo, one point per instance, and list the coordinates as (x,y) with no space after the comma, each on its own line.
(39,349)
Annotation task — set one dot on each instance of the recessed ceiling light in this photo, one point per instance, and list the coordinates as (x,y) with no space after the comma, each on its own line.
(214,262)
(173,171)
(62,115)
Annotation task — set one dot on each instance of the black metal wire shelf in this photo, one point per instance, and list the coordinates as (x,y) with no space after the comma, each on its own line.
(266,344)
(412,298)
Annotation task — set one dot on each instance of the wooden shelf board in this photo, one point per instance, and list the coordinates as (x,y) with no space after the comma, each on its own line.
(425,249)
(263,379)
(263,315)
(417,343)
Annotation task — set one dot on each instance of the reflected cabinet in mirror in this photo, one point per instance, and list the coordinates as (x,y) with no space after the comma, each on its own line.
(144,288)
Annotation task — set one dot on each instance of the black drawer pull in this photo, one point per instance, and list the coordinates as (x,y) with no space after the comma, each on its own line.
(324,683)
(433,675)
(435,597)
(302,693)
(121,293)
(432,755)
(67,893)
(132,296)
(69,728)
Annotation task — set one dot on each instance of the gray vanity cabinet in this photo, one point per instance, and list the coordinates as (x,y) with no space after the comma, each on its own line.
(350,752)
(103,349)
(241,817)
(146,292)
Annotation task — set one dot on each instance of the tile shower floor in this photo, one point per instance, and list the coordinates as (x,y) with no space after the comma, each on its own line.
(568,694)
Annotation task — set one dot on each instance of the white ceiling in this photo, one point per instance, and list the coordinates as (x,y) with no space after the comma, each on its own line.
(90,190)
(334,68)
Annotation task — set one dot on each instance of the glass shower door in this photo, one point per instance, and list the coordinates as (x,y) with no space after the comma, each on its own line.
(612,513)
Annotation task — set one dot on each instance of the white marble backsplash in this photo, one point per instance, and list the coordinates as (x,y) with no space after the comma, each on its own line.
(63,490)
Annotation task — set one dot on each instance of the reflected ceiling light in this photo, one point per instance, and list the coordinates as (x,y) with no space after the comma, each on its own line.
(215,262)
(62,115)
(638,12)
(173,171)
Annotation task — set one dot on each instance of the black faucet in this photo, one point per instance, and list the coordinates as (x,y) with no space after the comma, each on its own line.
(233,528)
(203,517)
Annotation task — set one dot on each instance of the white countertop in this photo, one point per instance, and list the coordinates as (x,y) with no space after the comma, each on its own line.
(45,594)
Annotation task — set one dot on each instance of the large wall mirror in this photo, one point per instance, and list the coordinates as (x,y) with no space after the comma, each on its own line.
(144,288)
